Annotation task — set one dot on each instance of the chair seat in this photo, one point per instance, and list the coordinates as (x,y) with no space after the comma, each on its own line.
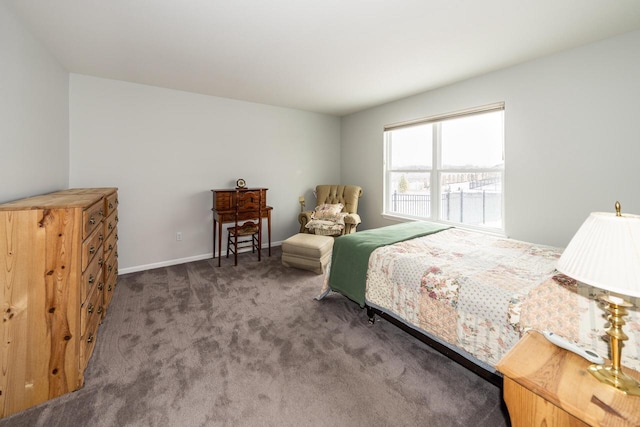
(246,229)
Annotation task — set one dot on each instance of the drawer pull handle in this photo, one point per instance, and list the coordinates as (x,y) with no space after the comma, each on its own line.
(110,247)
(110,268)
(100,310)
(90,338)
(117,219)
(100,262)
(92,220)
(90,308)
(110,227)
(109,288)
(100,237)
(101,212)
(100,286)
(91,279)
(92,250)
(110,205)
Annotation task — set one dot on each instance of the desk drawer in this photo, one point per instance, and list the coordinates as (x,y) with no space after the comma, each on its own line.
(225,200)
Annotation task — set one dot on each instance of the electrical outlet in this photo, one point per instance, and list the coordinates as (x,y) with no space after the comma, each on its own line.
(179,236)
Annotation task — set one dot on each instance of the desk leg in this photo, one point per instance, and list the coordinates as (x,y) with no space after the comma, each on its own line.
(269,229)
(214,238)
(219,243)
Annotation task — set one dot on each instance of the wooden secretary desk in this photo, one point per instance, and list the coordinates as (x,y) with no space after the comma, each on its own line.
(224,208)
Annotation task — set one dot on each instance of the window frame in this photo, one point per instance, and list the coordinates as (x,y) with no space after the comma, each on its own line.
(436,171)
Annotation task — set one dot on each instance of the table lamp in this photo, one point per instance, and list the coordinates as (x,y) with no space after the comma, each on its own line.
(605,253)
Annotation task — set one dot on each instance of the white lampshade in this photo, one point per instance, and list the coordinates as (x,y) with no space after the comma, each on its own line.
(605,253)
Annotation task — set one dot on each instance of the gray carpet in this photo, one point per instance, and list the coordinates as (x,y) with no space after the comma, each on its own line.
(198,345)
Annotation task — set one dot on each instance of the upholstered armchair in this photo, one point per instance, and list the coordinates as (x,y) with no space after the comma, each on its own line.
(328,198)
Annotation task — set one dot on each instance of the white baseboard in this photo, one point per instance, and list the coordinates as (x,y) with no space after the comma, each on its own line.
(177,261)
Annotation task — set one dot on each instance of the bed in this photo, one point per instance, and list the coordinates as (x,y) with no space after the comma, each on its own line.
(470,295)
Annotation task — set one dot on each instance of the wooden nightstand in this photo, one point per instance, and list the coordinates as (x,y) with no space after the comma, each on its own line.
(547,385)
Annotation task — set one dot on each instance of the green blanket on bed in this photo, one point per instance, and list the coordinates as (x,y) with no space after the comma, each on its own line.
(350,258)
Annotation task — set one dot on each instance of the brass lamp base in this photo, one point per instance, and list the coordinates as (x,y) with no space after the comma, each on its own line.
(612,374)
(615,378)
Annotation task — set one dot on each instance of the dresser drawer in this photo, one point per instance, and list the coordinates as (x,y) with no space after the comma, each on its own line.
(88,341)
(111,243)
(92,276)
(90,247)
(110,286)
(111,223)
(111,264)
(91,308)
(92,218)
(111,203)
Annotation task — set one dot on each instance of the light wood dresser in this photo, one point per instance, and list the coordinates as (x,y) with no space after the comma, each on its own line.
(58,271)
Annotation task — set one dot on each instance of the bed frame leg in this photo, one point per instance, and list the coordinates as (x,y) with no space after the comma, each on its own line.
(372,315)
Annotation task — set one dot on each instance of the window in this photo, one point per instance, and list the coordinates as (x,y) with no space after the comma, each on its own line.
(447,168)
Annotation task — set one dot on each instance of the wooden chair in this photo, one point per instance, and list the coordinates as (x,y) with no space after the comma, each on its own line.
(247,229)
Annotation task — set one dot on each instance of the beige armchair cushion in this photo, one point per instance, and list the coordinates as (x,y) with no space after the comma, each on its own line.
(347,195)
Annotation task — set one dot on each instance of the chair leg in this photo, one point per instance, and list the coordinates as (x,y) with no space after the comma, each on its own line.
(235,247)
(259,243)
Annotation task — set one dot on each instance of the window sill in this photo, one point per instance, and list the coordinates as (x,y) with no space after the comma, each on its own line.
(490,231)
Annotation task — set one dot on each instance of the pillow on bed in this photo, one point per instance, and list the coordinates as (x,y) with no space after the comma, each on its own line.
(327,211)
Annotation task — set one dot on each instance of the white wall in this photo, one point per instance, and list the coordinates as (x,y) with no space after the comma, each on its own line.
(34,114)
(167,149)
(572,137)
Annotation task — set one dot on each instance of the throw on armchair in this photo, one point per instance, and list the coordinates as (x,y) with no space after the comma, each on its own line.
(335,212)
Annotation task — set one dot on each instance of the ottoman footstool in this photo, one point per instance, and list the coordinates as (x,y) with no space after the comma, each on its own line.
(307,251)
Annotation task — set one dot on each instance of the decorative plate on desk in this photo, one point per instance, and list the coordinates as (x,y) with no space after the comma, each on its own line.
(240,183)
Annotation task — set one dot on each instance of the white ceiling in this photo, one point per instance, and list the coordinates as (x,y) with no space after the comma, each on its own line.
(327,56)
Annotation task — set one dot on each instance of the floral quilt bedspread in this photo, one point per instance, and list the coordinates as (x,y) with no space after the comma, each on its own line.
(481,293)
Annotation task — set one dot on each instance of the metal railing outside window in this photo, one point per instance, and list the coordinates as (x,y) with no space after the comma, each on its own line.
(466,207)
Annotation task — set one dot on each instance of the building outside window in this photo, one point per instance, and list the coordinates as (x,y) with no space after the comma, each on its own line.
(448,168)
